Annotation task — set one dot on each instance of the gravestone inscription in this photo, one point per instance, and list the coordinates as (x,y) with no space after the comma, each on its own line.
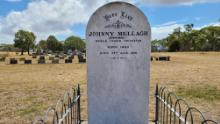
(118,53)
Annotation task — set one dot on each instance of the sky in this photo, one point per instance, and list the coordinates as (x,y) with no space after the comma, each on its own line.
(64,18)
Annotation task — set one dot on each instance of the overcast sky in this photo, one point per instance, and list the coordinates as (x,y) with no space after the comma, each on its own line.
(63,18)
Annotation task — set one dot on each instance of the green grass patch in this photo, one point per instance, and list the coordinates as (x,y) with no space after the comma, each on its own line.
(207,93)
(36,108)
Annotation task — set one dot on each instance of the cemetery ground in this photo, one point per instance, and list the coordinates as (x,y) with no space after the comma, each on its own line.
(26,91)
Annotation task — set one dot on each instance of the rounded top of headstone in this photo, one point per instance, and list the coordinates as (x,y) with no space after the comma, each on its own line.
(122,14)
(117,30)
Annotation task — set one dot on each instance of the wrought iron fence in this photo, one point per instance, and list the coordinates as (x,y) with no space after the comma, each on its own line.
(66,111)
(170,109)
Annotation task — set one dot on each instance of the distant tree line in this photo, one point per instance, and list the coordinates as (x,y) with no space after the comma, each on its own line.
(205,39)
(26,41)
(8,47)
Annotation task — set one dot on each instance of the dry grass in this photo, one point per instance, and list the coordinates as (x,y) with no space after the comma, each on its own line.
(190,74)
(27,90)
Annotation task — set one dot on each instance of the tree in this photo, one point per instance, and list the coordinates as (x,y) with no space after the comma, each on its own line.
(213,37)
(173,43)
(8,47)
(188,27)
(158,45)
(205,39)
(196,43)
(51,43)
(43,45)
(174,46)
(59,46)
(73,43)
(24,40)
(186,38)
(30,41)
(154,45)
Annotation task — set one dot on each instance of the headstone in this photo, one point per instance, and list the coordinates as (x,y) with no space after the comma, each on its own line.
(55,61)
(51,57)
(34,56)
(164,58)
(13,61)
(41,60)
(61,56)
(57,56)
(68,60)
(65,55)
(81,58)
(26,61)
(42,57)
(118,52)
(71,57)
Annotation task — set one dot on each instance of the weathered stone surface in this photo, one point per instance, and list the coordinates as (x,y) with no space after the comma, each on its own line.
(118,52)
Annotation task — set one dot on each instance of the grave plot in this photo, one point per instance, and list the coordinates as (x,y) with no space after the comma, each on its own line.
(68,60)
(55,61)
(27,61)
(81,58)
(41,60)
(160,58)
(13,61)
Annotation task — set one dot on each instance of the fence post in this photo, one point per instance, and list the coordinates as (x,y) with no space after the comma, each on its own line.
(78,110)
(157,105)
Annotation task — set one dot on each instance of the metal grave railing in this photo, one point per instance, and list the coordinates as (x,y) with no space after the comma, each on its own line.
(66,111)
(170,109)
